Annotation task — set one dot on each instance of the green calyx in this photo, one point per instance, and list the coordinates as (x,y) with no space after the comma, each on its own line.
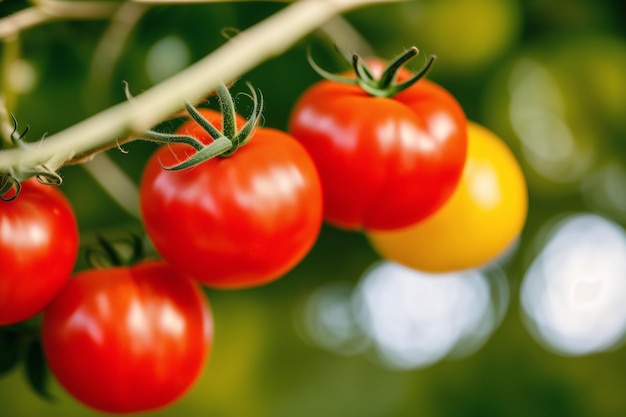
(225,142)
(384,86)
(10,182)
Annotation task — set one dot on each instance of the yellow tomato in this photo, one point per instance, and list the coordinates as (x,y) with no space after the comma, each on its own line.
(482,218)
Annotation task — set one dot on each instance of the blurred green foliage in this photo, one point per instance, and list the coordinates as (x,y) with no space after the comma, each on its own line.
(260,365)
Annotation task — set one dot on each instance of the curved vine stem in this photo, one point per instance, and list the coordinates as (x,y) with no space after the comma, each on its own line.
(109,50)
(240,54)
(50,10)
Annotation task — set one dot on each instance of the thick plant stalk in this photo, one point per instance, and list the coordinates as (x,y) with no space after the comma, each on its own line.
(240,54)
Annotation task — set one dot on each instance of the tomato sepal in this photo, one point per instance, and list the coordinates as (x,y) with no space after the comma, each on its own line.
(159,137)
(10,181)
(386,84)
(224,142)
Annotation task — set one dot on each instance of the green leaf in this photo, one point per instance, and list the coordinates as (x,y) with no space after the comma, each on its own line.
(37,372)
(9,350)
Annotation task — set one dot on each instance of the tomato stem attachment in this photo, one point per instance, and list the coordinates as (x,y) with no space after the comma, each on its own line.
(225,142)
(10,180)
(386,84)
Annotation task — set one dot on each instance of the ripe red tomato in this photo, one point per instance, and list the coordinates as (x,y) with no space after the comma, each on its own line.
(384,163)
(127,339)
(233,222)
(38,250)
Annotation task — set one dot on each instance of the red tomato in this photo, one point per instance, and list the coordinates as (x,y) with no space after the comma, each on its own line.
(233,222)
(384,163)
(127,339)
(38,250)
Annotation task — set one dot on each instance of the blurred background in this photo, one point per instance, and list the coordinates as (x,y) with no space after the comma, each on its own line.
(539,333)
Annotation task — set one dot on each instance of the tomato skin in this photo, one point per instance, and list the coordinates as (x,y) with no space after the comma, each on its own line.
(384,163)
(234,222)
(477,224)
(127,339)
(38,250)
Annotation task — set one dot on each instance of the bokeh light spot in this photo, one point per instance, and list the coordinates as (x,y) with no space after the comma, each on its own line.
(327,319)
(412,319)
(573,293)
(166,57)
(21,76)
(537,114)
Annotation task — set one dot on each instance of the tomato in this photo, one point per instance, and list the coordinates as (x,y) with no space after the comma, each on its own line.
(478,223)
(237,221)
(127,339)
(384,162)
(38,250)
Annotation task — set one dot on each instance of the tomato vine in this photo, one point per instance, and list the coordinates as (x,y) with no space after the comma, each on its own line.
(226,202)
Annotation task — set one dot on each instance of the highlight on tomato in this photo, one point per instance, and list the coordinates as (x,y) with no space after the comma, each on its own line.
(481,220)
(127,339)
(38,247)
(389,145)
(245,208)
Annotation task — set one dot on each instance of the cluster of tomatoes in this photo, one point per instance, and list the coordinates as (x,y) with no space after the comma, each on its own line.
(379,150)
(399,160)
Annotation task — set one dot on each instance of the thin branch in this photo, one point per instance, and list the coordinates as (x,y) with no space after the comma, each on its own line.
(50,10)
(11,55)
(77,9)
(200,1)
(11,25)
(6,127)
(115,182)
(110,47)
(243,52)
(346,37)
